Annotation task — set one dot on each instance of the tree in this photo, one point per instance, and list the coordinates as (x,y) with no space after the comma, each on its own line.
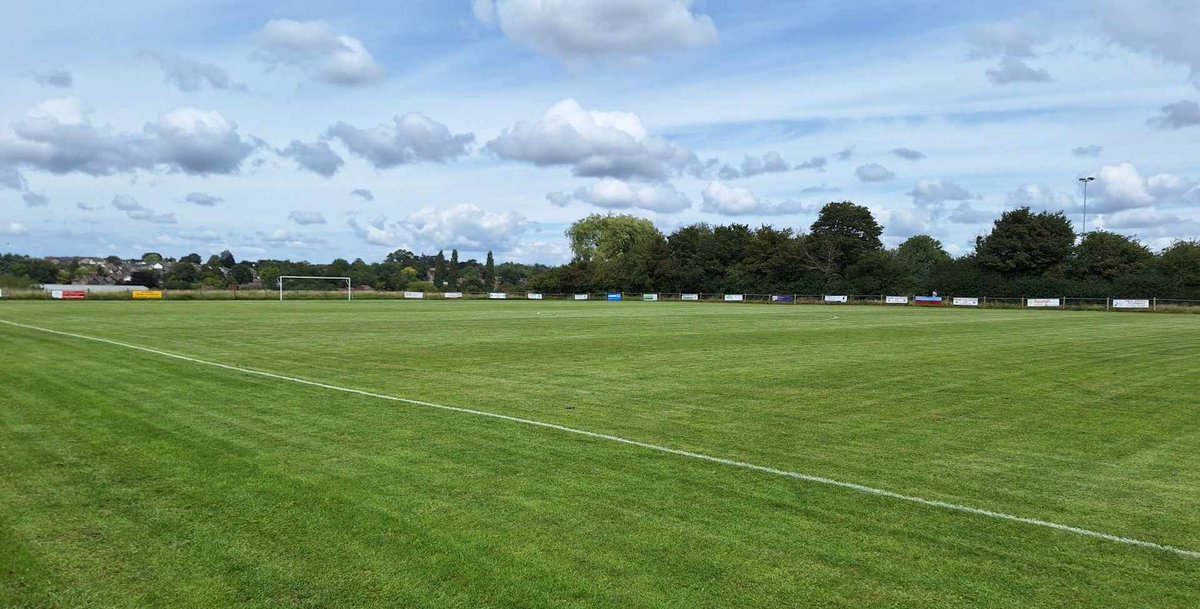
(452,274)
(227,260)
(439,270)
(182,275)
(113,260)
(598,238)
(241,274)
(1180,263)
(144,277)
(842,234)
(1105,255)
(918,256)
(1025,243)
(192,258)
(489,272)
(151,257)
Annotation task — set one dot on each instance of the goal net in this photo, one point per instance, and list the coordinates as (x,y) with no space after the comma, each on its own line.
(309,283)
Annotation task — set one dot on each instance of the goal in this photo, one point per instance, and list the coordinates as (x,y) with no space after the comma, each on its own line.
(349,287)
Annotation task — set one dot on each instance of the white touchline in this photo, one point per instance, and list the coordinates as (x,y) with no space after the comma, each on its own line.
(662,449)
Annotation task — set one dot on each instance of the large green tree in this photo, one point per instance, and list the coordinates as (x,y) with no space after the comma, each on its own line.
(918,256)
(842,234)
(1105,255)
(489,272)
(1025,243)
(452,272)
(439,271)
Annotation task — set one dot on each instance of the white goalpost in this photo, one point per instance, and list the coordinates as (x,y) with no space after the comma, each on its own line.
(349,287)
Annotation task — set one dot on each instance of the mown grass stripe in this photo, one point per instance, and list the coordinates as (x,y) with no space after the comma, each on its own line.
(645,445)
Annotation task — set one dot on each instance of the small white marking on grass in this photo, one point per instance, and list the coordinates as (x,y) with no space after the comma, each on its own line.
(662,449)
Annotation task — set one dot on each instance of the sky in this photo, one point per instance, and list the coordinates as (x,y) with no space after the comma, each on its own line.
(315,130)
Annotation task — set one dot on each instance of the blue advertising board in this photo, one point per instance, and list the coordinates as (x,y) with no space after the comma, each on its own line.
(614,297)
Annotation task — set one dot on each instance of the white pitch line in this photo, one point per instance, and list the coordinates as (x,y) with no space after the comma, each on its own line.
(662,449)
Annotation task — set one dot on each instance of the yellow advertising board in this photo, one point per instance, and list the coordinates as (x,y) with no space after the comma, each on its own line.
(147,295)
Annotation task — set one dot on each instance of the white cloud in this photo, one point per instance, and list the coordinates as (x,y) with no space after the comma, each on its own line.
(465,227)
(1163,28)
(13,229)
(305,218)
(1012,42)
(35,199)
(611,193)
(316,157)
(1012,69)
(9,176)
(935,192)
(363,194)
(190,75)
(202,199)
(137,211)
(816,163)
(873,172)
(412,138)
(583,30)
(1040,198)
(198,141)
(313,47)
(1185,113)
(771,162)
(54,78)
(57,137)
(908,154)
(595,144)
(720,198)
(1087,151)
(1121,187)
(375,232)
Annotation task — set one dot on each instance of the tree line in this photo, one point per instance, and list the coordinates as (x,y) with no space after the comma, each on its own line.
(400,270)
(1026,253)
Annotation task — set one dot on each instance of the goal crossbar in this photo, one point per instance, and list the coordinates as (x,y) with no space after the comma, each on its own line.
(349,287)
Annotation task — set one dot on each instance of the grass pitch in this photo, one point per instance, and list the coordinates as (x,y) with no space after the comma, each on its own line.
(129,479)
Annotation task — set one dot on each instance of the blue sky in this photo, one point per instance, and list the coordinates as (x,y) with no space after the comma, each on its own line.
(315,130)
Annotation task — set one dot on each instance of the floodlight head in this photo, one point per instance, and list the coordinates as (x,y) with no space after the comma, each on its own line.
(1087,179)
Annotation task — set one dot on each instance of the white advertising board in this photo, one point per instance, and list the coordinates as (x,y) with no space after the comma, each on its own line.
(734,297)
(1130,303)
(841,299)
(56,294)
(649,297)
(964,302)
(581,297)
(497,295)
(417,295)
(1043,302)
(452,295)
(896,300)
(533,296)
(689,297)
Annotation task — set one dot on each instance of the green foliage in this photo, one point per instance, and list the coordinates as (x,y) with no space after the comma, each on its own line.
(440,276)
(1104,255)
(1025,243)
(241,274)
(192,258)
(226,259)
(842,234)
(489,272)
(602,239)
(152,257)
(452,272)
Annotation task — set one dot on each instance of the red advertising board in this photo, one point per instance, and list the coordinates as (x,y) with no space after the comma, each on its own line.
(74,295)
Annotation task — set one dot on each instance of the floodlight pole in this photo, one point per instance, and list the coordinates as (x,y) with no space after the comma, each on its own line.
(1084,181)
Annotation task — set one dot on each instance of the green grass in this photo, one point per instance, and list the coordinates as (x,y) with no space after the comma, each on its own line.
(129,479)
